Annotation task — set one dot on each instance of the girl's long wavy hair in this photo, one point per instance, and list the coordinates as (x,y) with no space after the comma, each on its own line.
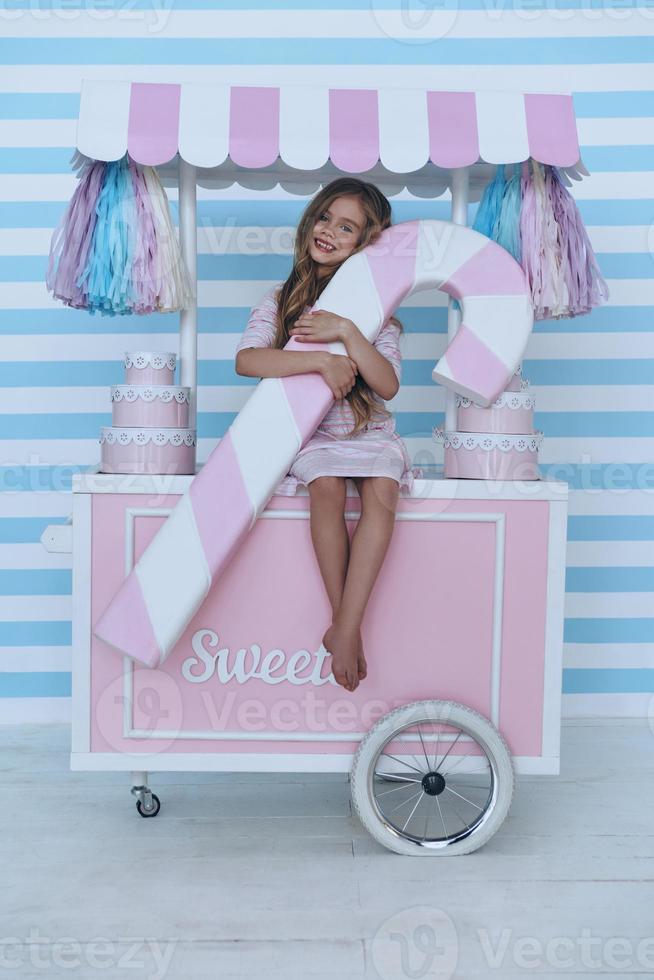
(303,286)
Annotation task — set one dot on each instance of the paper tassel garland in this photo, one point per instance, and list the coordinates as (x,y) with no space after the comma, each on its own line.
(535,218)
(115,248)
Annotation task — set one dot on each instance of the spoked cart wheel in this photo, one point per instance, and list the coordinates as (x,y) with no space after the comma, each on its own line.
(432,778)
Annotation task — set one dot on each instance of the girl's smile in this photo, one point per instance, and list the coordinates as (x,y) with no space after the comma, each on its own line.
(324,245)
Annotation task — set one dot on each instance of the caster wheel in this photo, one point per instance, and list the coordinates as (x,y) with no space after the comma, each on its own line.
(432,778)
(154,809)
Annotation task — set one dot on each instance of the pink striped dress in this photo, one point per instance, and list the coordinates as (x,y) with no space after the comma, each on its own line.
(376,450)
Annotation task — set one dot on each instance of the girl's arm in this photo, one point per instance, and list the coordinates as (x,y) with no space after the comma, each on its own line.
(271,362)
(377,371)
(255,355)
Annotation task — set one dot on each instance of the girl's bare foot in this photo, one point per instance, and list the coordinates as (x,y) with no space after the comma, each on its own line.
(361,661)
(344,645)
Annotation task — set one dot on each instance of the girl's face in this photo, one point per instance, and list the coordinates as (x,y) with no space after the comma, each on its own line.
(337,232)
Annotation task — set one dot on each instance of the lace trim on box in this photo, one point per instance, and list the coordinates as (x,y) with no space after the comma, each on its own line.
(150,358)
(489,440)
(176,437)
(507,399)
(148,393)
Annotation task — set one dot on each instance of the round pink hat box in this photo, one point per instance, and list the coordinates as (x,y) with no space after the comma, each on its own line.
(512,411)
(157,450)
(490,455)
(150,405)
(149,367)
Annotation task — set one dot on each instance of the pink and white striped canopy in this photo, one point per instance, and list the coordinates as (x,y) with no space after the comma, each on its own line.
(306,126)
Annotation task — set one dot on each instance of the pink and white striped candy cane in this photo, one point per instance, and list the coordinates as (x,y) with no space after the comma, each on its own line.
(172,577)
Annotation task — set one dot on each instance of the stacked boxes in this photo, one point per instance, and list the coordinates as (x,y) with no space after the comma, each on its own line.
(494,443)
(149,414)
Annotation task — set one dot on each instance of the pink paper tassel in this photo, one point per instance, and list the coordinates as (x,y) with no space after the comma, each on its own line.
(71,239)
(586,286)
(557,257)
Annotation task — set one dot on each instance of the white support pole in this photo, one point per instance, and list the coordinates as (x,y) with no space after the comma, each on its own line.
(460,190)
(188,318)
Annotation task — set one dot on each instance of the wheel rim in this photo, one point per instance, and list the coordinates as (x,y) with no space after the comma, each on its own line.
(446,780)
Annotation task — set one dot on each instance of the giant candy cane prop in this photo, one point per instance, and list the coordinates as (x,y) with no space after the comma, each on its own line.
(167,585)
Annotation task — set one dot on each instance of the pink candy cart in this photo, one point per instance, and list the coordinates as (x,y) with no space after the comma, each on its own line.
(464,628)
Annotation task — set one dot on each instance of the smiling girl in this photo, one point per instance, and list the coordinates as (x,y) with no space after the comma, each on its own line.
(357,437)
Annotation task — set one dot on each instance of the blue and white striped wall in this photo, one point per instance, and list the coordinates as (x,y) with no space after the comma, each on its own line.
(593,376)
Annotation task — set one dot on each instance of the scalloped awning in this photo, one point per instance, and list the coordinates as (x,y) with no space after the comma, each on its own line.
(357,130)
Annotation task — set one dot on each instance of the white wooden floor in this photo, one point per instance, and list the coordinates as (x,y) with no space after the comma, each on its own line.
(273,877)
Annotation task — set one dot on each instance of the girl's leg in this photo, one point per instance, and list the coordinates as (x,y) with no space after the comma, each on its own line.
(370,541)
(332,546)
(331,541)
(362,665)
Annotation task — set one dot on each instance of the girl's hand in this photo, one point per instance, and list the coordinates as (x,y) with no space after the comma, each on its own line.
(340,374)
(320,326)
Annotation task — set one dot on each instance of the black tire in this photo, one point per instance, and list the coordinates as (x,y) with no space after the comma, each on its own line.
(155,808)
